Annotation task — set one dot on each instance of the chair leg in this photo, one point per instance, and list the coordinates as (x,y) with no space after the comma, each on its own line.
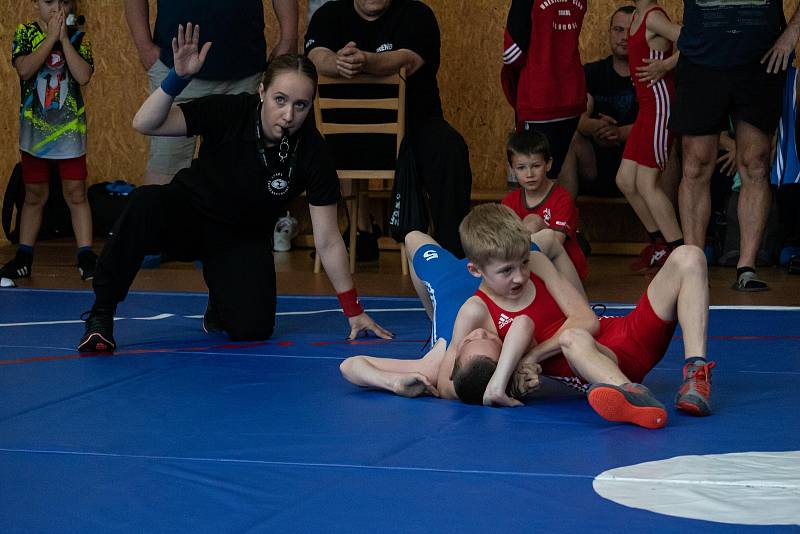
(403,259)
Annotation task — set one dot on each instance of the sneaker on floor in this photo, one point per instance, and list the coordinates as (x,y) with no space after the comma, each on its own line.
(87,264)
(285,231)
(644,261)
(660,255)
(628,403)
(99,333)
(694,396)
(18,267)
(211,321)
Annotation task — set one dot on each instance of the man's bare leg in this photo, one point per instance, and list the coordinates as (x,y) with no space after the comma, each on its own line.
(752,153)
(694,194)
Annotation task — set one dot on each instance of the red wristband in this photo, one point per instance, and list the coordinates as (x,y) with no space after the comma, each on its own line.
(350,304)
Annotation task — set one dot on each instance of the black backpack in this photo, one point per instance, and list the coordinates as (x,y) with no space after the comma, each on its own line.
(56,219)
(409,206)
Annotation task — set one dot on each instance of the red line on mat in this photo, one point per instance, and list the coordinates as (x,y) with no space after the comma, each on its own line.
(136,352)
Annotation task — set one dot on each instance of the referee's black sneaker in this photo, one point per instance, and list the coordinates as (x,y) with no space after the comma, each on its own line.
(18,267)
(99,334)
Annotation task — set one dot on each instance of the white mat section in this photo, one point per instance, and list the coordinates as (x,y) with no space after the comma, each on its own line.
(750,488)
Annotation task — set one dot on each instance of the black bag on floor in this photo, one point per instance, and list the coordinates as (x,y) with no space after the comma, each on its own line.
(56,219)
(107,201)
(409,207)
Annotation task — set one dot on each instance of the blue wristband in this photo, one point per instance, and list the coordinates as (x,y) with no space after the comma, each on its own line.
(174,84)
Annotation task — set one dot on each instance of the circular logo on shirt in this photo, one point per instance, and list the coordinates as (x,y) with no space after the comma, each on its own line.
(277,185)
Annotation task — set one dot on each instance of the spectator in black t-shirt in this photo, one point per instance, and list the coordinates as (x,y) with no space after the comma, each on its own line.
(596,149)
(348,37)
(236,27)
(258,152)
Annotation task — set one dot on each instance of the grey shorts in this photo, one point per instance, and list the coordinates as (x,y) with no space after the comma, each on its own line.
(168,155)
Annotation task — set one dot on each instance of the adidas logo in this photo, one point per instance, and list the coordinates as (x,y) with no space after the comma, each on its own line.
(503,321)
(22,271)
(657,255)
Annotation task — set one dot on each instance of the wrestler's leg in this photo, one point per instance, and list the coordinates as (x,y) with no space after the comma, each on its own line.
(413,241)
(680,291)
(612,394)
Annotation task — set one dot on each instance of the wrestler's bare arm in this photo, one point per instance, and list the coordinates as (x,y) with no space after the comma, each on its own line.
(409,378)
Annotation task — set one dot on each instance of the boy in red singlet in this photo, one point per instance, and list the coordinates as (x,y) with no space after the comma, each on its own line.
(542,320)
(541,203)
(650,38)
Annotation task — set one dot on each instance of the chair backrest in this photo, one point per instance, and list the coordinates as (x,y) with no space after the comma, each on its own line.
(327,125)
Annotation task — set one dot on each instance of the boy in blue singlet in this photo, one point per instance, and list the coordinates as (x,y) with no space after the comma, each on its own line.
(443,284)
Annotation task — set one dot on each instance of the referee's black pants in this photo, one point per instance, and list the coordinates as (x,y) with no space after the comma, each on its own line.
(238,268)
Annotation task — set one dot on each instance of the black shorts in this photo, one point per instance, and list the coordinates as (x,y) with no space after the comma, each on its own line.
(604,184)
(706,98)
(559,134)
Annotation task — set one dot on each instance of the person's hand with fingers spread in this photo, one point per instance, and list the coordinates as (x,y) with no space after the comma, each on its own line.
(653,71)
(365,323)
(727,160)
(188,60)
(777,57)
(414,385)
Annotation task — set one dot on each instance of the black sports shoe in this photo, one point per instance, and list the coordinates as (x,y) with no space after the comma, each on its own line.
(211,322)
(87,264)
(19,267)
(99,334)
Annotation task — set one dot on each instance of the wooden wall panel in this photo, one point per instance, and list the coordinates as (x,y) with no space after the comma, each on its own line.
(469,81)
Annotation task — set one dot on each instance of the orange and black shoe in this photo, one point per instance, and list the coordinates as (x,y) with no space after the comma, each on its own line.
(99,334)
(694,396)
(628,403)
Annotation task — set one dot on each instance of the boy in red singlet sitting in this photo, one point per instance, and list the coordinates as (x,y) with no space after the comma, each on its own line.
(543,320)
(539,202)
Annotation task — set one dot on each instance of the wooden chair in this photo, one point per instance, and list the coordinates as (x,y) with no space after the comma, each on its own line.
(362,176)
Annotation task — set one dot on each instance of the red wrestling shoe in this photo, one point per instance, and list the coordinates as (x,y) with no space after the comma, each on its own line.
(694,396)
(628,403)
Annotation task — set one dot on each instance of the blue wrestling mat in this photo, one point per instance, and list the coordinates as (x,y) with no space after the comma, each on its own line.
(180,431)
